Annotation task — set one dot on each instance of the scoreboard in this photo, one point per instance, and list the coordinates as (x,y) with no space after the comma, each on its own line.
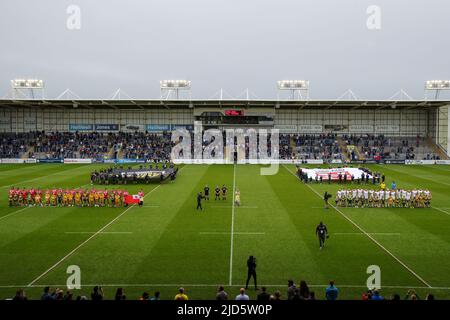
(234,113)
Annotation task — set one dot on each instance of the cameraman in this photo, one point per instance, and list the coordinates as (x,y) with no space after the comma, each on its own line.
(251,271)
(326,197)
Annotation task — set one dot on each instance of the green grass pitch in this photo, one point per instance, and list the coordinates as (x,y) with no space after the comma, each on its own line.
(167,243)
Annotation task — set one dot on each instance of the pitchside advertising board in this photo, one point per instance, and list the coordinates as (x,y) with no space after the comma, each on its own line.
(168,127)
(93,127)
(334,173)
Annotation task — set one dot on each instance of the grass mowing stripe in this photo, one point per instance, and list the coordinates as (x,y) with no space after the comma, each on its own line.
(368,235)
(232,226)
(86,241)
(38,178)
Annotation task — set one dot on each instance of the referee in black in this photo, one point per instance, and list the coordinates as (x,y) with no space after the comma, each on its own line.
(251,271)
(322,234)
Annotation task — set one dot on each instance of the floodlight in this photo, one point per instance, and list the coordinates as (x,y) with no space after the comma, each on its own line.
(293,85)
(27,84)
(175,84)
(437,85)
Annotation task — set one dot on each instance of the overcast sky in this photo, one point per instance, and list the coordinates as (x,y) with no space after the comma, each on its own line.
(230,44)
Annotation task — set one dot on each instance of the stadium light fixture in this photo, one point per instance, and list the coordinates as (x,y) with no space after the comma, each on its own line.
(437,86)
(295,86)
(27,84)
(173,86)
(26,88)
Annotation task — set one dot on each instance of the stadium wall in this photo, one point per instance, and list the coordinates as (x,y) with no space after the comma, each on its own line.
(392,122)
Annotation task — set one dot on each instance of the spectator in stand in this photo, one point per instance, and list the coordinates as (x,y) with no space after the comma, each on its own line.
(120,295)
(331,292)
(145,296)
(312,295)
(376,296)
(242,296)
(395,297)
(221,294)
(291,290)
(304,292)
(156,296)
(411,295)
(429,297)
(367,295)
(276,296)
(97,294)
(46,295)
(181,296)
(68,296)
(20,295)
(263,296)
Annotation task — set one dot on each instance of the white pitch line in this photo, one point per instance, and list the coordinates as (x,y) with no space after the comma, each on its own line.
(235,233)
(232,227)
(441,210)
(238,207)
(177,285)
(104,232)
(86,241)
(361,234)
(368,235)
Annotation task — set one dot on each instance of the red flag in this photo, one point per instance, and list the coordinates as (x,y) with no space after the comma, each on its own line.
(132,199)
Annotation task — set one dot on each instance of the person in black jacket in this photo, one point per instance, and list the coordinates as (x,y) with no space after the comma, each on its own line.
(251,271)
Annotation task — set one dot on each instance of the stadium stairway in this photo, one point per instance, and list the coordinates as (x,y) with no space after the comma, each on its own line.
(26,154)
(343,146)
(436,149)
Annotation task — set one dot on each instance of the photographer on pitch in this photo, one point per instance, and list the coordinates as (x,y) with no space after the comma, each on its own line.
(326,197)
(251,271)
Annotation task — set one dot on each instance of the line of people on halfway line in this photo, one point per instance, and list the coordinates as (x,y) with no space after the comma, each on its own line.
(57,197)
(394,198)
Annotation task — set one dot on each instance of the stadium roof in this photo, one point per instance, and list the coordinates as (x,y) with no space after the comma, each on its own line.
(177,104)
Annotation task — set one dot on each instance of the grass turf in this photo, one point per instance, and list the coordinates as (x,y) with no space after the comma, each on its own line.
(168,243)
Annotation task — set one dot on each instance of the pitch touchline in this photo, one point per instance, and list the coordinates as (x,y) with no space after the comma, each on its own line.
(211,285)
(104,232)
(86,241)
(360,233)
(232,227)
(235,233)
(368,235)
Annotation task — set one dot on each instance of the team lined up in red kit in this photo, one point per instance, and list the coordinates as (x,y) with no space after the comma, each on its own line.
(72,197)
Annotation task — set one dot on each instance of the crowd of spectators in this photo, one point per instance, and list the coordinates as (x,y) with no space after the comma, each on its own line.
(292,293)
(147,145)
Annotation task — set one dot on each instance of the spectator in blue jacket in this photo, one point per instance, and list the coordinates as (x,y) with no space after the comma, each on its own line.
(331,293)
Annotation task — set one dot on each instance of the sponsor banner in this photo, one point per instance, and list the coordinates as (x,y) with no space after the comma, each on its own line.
(132,127)
(266,122)
(188,127)
(336,161)
(387,128)
(286,128)
(394,162)
(158,127)
(130,161)
(336,128)
(80,127)
(442,161)
(310,128)
(30,161)
(50,160)
(106,127)
(361,128)
(420,162)
(110,161)
(74,161)
(8,160)
(334,172)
